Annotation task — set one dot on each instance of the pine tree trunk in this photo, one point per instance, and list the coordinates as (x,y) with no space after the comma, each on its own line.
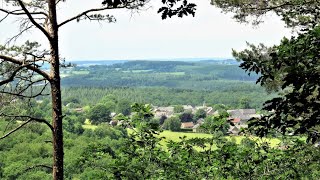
(57,117)
(57,131)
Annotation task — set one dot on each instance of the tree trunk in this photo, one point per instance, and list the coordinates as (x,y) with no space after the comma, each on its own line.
(57,131)
(57,117)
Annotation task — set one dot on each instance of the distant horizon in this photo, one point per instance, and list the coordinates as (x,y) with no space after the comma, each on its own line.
(158,59)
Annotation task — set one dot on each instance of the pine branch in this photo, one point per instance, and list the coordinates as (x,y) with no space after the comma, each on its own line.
(31,119)
(28,66)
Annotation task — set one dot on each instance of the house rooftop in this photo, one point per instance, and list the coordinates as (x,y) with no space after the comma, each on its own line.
(187,125)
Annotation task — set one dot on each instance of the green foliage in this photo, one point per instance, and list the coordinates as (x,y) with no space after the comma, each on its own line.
(228,93)
(303,13)
(144,158)
(215,124)
(203,75)
(121,117)
(244,103)
(110,101)
(200,113)
(218,107)
(107,131)
(178,109)
(171,9)
(164,83)
(143,117)
(73,125)
(143,111)
(99,114)
(173,124)
(295,64)
(124,107)
(71,100)
(110,153)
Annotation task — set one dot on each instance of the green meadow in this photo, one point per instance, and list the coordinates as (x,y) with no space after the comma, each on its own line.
(176,136)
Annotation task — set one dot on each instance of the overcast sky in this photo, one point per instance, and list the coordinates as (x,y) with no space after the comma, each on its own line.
(145,36)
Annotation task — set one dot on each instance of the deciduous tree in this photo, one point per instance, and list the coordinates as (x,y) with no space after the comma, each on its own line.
(21,63)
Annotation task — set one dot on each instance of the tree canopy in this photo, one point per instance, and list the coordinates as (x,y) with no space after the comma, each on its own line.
(99,114)
(291,67)
(303,13)
(295,63)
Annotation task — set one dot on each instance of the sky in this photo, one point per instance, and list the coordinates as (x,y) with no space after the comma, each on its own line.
(143,35)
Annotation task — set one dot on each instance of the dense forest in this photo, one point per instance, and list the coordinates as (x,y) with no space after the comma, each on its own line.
(204,75)
(160,96)
(164,83)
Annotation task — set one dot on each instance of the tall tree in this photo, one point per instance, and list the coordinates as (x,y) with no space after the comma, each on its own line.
(291,67)
(21,65)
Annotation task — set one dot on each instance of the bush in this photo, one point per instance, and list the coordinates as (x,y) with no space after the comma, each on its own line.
(172,123)
(178,109)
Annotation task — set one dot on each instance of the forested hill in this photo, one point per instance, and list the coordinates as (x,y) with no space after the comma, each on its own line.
(196,75)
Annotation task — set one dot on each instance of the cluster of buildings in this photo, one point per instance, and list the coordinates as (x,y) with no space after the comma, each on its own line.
(237,117)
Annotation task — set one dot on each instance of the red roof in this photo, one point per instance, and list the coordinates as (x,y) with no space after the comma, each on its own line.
(236,120)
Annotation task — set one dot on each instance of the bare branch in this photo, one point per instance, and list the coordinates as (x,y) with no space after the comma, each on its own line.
(33,21)
(21,92)
(14,38)
(24,96)
(59,1)
(31,119)
(11,78)
(21,12)
(30,66)
(5,17)
(38,166)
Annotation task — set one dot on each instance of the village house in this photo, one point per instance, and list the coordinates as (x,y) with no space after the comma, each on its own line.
(196,127)
(187,125)
(163,111)
(239,118)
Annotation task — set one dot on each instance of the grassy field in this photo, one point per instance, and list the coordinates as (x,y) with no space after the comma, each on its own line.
(175,136)
(138,71)
(88,125)
(80,72)
(174,73)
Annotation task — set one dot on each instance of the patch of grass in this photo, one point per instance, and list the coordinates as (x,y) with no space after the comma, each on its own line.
(80,72)
(175,136)
(174,73)
(89,126)
(138,71)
